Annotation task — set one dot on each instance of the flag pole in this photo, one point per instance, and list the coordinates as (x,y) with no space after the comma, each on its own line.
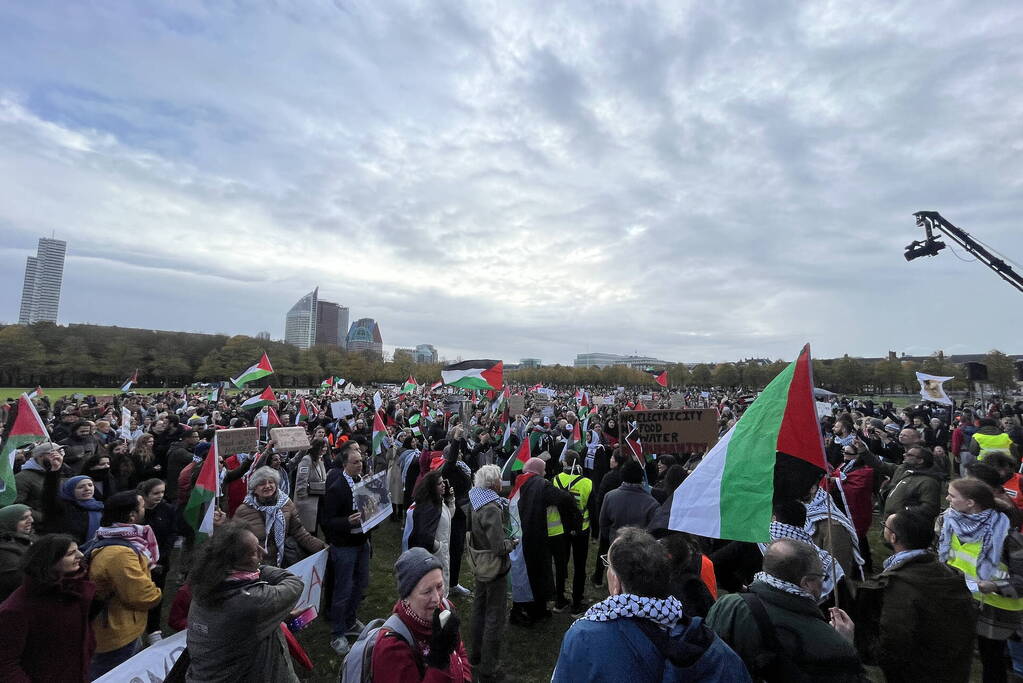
(831,543)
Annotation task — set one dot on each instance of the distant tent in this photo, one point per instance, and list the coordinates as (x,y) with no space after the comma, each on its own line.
(823,393)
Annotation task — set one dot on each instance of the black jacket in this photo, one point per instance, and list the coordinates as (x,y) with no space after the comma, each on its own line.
(337,507)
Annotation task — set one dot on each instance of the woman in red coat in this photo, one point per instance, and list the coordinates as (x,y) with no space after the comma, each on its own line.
(44,624)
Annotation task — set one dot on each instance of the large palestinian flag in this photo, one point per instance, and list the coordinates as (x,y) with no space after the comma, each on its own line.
(730,493)
(264,399)
(260,369)
(409,386)
(660,376)
(474,374)
(516,461)
(27,429)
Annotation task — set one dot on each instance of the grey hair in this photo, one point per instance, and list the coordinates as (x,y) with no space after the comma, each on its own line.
(262,474)
(487,476)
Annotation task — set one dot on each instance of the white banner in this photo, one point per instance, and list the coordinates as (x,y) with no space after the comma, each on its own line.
(546,392)
(152,664)
(931,388)
(824,409)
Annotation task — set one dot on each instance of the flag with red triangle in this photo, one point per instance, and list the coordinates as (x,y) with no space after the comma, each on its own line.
(202,501)
(379,432)
(660,376)
(516,461)
(272,418)
(131,381)
(28,428)
(267,397)
(254,372)
(303,412)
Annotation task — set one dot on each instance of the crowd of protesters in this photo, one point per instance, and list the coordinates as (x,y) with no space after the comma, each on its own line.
(86,548)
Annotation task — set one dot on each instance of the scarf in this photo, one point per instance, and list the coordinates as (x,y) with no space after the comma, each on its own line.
(31,464)
(989,528)
(141,537)
(273,520)
(667,612)
(351,485)
(92,507)
(903,556)
(832,570)
(784,586)
(405,461)
(479,497)
(817,511)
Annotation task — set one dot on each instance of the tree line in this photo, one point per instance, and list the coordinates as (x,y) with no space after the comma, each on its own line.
(99,356)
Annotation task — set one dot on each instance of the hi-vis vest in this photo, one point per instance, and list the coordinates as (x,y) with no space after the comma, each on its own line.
(554,525)
(580,487)
(992,442)
(963,556)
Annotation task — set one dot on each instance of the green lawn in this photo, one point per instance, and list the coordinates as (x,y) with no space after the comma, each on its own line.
(54,394)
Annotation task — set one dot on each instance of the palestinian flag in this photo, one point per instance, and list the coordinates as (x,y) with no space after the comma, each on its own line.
(572,441)
(202,501)
(379,432)
(215,394)
(474,374)
(36,393)
(272,418)
(730,493)
(27,429)
(327,383)
(409,386)
(303,412)
(267,398)
(126,387)
(516,461)
(260,369)
(660,376)
(435,385)
(635,445)
(413,422)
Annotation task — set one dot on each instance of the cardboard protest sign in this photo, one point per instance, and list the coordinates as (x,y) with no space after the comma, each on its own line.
(373,500)
(516,404)
(341,409)
(671,432)
(289,438)
(233,441)
(549,393)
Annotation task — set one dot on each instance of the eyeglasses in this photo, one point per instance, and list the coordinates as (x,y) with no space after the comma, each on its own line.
(604,558)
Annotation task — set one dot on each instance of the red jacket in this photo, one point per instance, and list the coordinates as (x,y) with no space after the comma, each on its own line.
(45,635)
(395,662)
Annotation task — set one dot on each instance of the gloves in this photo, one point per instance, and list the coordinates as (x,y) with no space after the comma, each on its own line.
(443,641)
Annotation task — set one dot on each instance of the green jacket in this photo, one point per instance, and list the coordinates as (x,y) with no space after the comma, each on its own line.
(816,649)
(918,489)
(916,620)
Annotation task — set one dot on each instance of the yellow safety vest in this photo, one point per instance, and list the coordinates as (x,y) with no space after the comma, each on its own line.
(554,525)
(580,487)
(992,442)
(963,556)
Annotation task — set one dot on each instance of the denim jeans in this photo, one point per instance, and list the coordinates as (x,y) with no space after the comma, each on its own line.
(102,662)
(351,579)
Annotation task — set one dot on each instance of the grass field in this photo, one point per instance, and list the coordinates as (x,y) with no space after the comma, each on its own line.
(54,394)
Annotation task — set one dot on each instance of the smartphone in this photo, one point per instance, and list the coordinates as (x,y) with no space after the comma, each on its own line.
(302,620)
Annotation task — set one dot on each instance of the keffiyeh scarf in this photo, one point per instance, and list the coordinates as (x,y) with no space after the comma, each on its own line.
(989,528)
(141,537)
(790,588)
(666,612)
(832,570)
(479,497)
(273,519)
(817,511)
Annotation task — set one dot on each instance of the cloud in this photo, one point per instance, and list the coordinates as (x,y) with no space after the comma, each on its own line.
(695,183)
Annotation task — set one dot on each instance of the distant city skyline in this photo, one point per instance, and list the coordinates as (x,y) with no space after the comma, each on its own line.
(40,289)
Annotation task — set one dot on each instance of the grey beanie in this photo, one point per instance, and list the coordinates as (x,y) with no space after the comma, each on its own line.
(411,567)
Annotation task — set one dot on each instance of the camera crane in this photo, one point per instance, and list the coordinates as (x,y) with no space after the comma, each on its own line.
(930,246)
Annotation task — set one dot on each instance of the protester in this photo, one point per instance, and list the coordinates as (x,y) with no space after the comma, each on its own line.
(628,505)
(160,516)
(75,510)
(609,481)
(641,633)
(926,618)
(976,539)
(121,559)
(431,520)
(238,604)
(691,577)
(536,495)
(97,468)
(990,438)
(274,520)
(830,527)
(349,547)
(779,631)
(45,465)
(45,633)
(574,545)
(178,455)
(311,483)
(437,653)
(79,446)
(488,548)
(459,478)
(913,484)
(16,536)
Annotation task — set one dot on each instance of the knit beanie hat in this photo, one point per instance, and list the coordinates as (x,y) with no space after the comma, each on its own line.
(411,567)
(11,515)
(535,465)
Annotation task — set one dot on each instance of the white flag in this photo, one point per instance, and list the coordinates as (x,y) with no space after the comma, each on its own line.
(931,388)
(377,401)
(125,424)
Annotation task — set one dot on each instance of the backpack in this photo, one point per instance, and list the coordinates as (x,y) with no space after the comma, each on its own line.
(772,664)
(358,665)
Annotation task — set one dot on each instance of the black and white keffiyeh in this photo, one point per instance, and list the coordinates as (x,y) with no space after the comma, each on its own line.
(666,612)
(817,511)
(273,519)
(479,497)
(790,588)
(832,570)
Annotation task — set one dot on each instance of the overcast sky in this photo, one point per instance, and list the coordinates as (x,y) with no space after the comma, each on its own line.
(693,181)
